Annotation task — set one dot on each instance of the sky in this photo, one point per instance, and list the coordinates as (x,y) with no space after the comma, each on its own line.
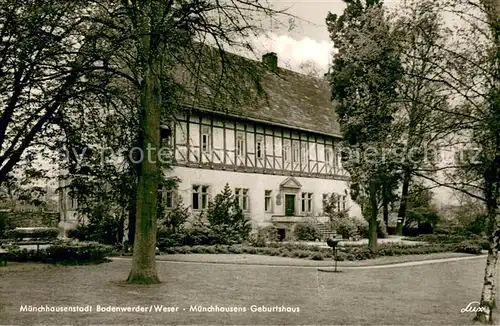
(308,40)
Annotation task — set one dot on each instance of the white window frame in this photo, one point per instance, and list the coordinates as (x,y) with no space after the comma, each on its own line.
(306,202)
(259,150)
(305,155)
(337,159)
(341,203)
(328,154)
(325,198)
(169,202)
(205,139)
(203,196)
(243,197)
(240,144)
(295,152)
(286,150)
(268,201)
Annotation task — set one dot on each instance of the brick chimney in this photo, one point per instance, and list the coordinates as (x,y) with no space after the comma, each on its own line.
(271,61)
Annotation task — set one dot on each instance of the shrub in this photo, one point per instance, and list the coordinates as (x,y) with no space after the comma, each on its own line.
(425,228)
(317,256)
(235,249)
(307,231)
(410,230)
(468,247)
(199,235)
(381,229)
(478,225)
(252,250)
(347,228)
(362,226)
(221,249)
(484,244)
(90,253)
(273,252)
(38,233)
(175,219)
(450,239)
(81,232)
(361,253)
(170,239)
(4,224)
(420,220)
(263,236)
(103,229)
(226,219)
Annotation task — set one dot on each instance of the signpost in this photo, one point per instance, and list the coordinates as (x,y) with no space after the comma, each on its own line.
(333,243)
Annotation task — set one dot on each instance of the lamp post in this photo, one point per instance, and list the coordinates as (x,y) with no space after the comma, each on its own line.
(333,242)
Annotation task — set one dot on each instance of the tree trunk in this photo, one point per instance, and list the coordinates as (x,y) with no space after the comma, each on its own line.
(488,293)
(373,225)
(404,202)
(121,226)
(131,219)
(144,257)
(385,206)
(492,179)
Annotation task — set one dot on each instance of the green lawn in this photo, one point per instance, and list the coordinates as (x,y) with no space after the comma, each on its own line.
(419,295)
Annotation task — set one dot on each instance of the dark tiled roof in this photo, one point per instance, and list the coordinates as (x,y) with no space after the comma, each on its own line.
(289,98)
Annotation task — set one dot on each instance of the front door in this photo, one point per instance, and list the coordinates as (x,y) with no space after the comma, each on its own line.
(289,205)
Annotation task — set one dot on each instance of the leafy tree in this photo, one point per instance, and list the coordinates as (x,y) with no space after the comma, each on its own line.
(421,212)
(164,64)
(47,63)
(226,218)
(422,120)
(364,79)
(483,172)
(172,226)
(90,57)
(471,75)
(331,207)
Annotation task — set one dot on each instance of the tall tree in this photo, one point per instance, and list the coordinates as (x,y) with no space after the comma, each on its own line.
(472,75)
(486,135)
(421,35)
(164,60)
(47,61)
(364,78)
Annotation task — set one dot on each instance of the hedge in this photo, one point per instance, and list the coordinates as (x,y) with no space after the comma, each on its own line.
(38,233)
(352,253)
(73,254)
(452,239)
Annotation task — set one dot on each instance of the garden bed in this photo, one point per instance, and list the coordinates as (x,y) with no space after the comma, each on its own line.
(446,239)
(62,253)
(344,253)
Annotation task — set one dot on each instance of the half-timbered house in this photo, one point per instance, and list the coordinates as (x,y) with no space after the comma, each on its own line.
(280,158)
